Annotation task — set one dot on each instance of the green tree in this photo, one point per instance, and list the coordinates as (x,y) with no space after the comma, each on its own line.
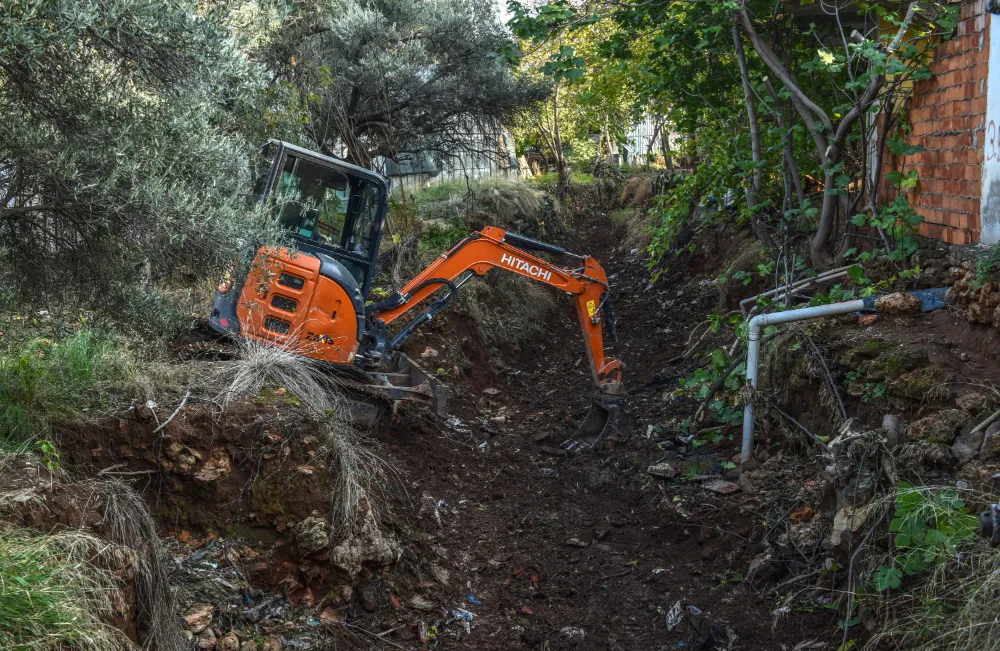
(123,157)
(382,77)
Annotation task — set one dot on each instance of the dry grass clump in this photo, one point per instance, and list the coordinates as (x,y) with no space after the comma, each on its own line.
(506,307)
(633,225)
(637,192)
(131,527)
(55,593)
(511,205)
(261,364)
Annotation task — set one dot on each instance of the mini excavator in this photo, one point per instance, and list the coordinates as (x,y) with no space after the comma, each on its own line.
(312,298)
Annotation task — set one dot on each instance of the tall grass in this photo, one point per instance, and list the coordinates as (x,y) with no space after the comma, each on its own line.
(54,596)
(48,381)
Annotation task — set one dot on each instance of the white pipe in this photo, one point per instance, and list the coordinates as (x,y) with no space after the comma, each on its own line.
(757,324)
(798,284)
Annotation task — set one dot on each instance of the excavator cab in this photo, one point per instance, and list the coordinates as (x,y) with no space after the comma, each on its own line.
(311,296)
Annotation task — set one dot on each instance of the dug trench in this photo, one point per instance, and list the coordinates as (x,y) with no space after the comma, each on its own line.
(489,535)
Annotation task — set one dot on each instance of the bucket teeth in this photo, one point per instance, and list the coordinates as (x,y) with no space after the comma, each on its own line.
(607,417)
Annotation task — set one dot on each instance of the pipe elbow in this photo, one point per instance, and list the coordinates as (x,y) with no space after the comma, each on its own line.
(757,324)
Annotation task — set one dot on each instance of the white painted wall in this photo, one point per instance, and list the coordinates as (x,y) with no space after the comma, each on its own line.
(989,210)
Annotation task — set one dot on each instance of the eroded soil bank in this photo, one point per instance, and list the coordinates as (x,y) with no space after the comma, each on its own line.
(495,539)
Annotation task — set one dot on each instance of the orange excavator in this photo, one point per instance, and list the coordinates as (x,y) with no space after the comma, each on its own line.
(311,297)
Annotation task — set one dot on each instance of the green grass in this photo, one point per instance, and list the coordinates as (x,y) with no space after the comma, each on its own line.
(52,596)
(551,179)
(46,381)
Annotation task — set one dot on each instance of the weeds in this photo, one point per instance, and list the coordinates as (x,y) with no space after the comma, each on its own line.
(938,586)
(53,595)
(49,381)
(508,308)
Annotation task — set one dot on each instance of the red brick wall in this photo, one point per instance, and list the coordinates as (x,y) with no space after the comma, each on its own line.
(947,113)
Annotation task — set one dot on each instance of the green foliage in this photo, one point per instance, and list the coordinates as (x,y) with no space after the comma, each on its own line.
(929,527)
(126,148)
(49,381)
(53,596)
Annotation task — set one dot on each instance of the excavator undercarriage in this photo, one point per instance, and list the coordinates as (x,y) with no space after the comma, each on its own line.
(310,297)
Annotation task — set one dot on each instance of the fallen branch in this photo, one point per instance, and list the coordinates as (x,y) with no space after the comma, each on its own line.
(691,348)
(794,579)
(174,415)
(803,428)
(829,376)
(718,385)
(982,427)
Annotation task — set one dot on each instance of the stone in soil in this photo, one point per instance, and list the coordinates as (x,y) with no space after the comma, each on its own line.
(942,427)
(663,471)
(199,618)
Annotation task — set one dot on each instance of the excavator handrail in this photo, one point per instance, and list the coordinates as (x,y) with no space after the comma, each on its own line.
(492,248)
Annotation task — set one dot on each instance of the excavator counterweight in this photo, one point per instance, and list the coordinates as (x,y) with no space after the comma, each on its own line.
(312,297)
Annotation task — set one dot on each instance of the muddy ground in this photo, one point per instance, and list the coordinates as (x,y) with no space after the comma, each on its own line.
(503,540)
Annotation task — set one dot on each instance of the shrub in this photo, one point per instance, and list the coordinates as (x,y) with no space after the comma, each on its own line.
(48,381)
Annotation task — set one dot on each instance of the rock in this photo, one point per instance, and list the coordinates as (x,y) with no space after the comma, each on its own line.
(419,602)
(764,569)
(974,403)
(184,459)
(440,574)
(215,468)
(312,535)
(898,303)
(271,644)
(199,618)
(892,425)
(868,350)
(429,353)
(330,615)
(663,471)
(745,485)
(368,597)
(918,454)
(967,446)
(250,645)
(916,384)
(572,634)
(229,643)
(206,639)
(858,490)
(991,448)
(369,546)
(942,427)
(847,520)
(721,486)
(576,542)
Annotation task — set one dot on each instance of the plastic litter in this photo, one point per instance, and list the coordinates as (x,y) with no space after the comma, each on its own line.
(462,614)
(473,599)
(675,615)
(694,610)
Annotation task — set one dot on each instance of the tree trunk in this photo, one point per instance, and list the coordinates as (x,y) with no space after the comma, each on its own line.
(562,189)
(753,189)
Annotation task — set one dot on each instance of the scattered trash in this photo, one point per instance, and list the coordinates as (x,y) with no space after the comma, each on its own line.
(721,486)
(573,634)
(527,611)
(546,472)
(423,632)
(302,645)
(962,484)
(395,602)
(694,610)
(649,431)
(312,621)
(490,391)
(675,615)
(462,614)
(473,599)
(576,542)
(658,570)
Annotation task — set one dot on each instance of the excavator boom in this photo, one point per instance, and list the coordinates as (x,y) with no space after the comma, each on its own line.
(492,248)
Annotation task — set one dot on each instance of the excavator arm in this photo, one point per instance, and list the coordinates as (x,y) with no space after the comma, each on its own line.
(494,248)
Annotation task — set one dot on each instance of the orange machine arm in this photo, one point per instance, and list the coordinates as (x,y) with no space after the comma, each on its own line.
(487,249)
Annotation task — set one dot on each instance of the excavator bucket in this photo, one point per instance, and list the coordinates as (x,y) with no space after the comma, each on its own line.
(608,416)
